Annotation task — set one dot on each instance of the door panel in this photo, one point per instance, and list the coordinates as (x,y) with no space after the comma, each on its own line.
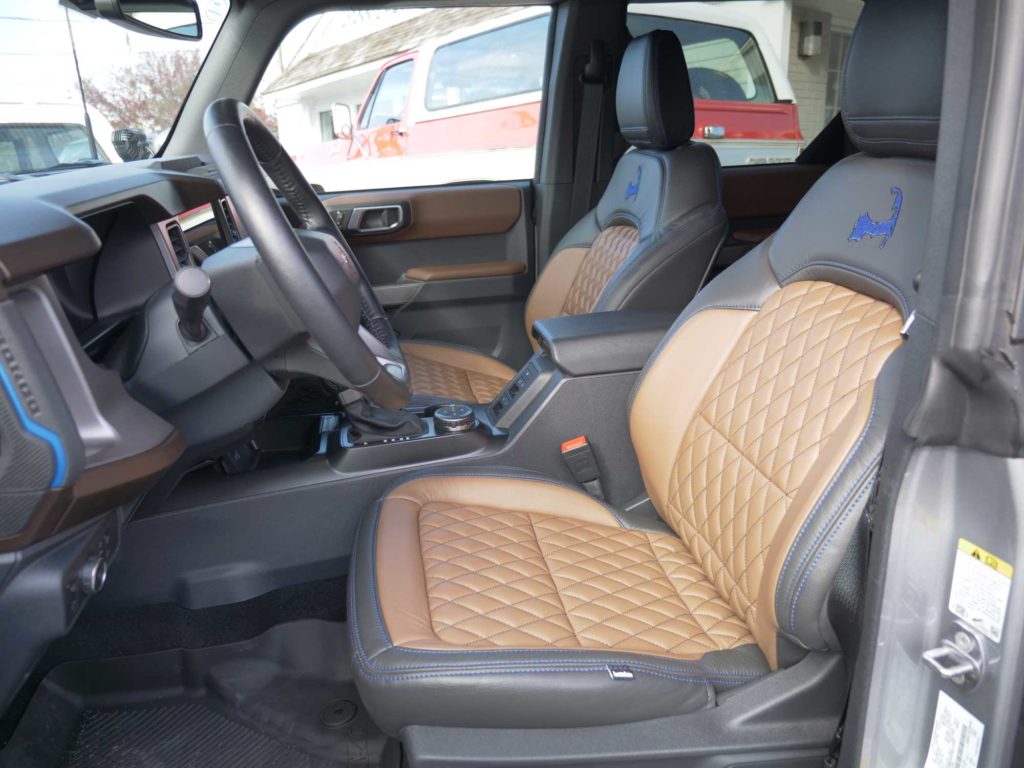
(458,268)
(757,199)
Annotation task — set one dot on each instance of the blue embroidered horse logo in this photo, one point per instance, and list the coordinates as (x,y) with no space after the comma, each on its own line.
(868,227)
(633,188)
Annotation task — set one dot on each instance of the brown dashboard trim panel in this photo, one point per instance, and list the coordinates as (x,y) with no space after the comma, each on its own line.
(429,274)
(438,212)
(97,490)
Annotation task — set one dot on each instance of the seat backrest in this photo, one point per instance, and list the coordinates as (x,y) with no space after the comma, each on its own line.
(650,240)
(759,422)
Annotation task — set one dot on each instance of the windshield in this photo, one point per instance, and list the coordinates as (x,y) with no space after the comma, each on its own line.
(117,104)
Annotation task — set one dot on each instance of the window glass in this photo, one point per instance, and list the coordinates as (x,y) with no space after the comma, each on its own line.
(505,62)
(725,63)
(388,104)
(378,99)
(765,74)
(75,86)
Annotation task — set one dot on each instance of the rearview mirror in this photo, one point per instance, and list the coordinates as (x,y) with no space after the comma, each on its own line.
(178,19)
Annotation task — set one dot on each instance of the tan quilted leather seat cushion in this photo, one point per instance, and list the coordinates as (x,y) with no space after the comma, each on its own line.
(605,257)
(454,373)
(511,563)
(749,456)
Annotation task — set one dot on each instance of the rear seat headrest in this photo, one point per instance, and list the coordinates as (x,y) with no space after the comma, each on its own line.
(892,87)
(653,98)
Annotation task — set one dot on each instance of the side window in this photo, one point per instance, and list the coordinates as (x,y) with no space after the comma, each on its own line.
(378,99)
(765,74)
(387,105)
(508,61)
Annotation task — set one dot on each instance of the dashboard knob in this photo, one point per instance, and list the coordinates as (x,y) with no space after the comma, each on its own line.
(93,574)
(454,417)
(191,298)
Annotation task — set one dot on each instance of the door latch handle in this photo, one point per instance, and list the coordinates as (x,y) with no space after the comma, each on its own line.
(376,219)
(714,131)
(961,659)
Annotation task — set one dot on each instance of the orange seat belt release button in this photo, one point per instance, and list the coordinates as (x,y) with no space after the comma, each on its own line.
(582,463)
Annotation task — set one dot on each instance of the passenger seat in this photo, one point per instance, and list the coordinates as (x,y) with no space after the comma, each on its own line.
(647,245)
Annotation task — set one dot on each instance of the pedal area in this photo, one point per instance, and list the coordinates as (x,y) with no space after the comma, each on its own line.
(282,700)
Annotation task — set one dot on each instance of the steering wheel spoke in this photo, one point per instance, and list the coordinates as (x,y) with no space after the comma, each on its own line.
(314,267)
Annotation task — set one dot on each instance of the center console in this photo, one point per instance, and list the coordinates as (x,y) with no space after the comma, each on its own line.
(570,347)
(285,518)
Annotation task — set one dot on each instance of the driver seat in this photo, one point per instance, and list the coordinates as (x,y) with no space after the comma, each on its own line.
(505,599)
(647,245)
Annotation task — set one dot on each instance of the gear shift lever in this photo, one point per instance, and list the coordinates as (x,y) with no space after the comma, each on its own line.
(191,297)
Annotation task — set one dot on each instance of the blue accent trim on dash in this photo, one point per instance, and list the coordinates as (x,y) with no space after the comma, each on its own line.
(60,471)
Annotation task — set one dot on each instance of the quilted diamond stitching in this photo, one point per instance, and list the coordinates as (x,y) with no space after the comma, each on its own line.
(431,377)
(604,258)
(785,388)
(500,578)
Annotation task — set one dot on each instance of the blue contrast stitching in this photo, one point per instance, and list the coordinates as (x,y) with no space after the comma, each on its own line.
(835,532)
(366,664)
(904,304)
(469,673)
(780,600)
(373,578)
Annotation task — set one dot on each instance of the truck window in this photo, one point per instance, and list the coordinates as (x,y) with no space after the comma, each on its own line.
(725,63)
(448,95)
(503,62)
(387,105)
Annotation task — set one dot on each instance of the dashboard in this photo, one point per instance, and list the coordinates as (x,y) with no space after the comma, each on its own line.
(95,381)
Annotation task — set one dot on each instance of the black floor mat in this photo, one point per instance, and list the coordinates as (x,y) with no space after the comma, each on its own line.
(282,700)
(186,734)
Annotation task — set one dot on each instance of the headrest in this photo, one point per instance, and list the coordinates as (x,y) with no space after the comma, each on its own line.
(892,88)
(653,98)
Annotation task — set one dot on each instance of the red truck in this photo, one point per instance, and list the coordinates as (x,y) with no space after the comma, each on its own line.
(478,90)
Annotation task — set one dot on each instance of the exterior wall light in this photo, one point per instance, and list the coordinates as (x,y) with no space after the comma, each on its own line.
(810,38)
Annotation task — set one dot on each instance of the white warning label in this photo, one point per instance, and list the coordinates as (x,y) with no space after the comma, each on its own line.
(981,589)
(956,736)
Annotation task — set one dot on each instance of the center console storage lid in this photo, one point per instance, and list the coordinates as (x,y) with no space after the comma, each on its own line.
(603,342)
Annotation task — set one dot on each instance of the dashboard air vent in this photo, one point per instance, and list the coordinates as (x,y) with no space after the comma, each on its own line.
(229,219)
(178,245)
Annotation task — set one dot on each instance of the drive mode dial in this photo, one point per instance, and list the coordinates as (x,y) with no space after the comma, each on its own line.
(454,417)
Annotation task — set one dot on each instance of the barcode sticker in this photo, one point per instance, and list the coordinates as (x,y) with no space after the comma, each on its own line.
(956,736)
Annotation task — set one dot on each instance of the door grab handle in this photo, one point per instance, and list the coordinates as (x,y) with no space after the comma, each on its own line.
(377,219)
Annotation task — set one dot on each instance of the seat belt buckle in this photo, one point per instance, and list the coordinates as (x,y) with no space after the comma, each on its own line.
(582,463)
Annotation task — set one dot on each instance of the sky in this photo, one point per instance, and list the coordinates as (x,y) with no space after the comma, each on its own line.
(36,64)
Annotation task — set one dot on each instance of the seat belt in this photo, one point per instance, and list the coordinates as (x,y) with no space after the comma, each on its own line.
(591,113)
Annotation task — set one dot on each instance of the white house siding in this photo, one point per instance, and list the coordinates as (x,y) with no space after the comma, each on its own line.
(809,75)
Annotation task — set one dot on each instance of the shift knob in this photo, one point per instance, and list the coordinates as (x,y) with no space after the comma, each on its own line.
(191,298)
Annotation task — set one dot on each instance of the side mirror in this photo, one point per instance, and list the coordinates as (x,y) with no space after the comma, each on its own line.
(341,116)
(131,144)
(178,19)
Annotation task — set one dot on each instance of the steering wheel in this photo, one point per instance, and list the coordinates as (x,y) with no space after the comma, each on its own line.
(314,266)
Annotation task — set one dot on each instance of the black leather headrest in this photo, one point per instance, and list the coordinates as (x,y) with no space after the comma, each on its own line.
(892,89)
(653,99)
